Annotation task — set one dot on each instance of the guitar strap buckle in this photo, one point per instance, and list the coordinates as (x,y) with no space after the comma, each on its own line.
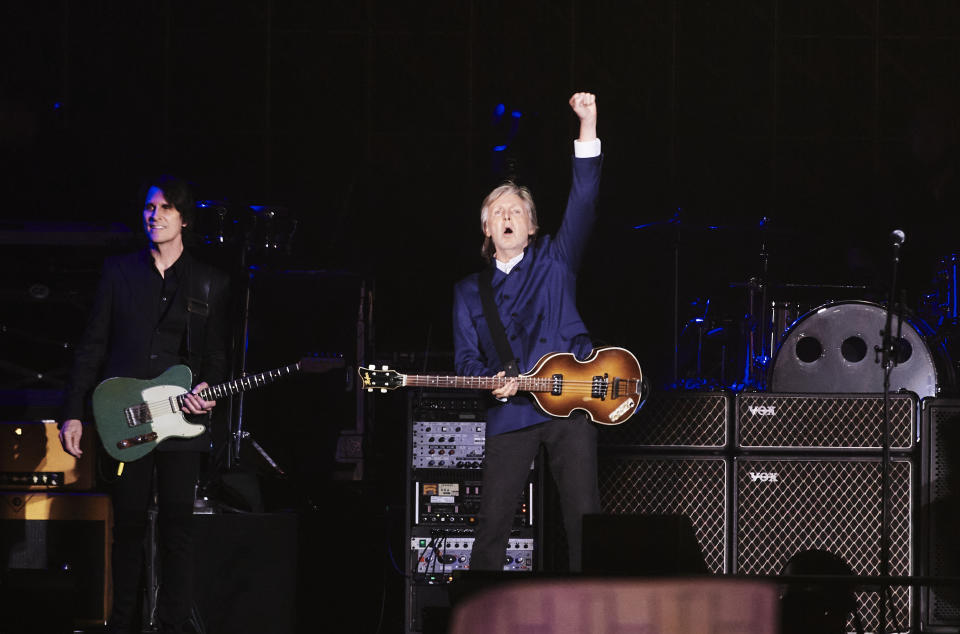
(198,307)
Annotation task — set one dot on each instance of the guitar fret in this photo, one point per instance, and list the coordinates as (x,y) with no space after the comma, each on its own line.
(527,384)
(248,382)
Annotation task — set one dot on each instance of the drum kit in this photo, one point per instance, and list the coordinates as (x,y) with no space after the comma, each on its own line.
(239,239)
(262,229)
(818,338)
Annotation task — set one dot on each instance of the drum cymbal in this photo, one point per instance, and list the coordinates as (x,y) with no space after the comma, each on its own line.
(806,286)
(678,221)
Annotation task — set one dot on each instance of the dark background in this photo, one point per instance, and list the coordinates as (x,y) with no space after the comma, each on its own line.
(374,124)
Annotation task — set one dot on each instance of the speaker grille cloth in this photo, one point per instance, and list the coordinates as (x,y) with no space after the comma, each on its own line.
(671,420)
(847,422)
(674,486)
(831,505)
(941,514)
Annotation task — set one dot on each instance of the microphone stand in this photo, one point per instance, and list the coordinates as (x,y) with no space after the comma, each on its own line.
(888,362)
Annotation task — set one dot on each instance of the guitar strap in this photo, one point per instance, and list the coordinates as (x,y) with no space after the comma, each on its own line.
(508,360)
(198,309)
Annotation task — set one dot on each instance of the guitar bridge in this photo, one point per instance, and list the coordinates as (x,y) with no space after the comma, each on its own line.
(137,415)
(556,386)
(599,387)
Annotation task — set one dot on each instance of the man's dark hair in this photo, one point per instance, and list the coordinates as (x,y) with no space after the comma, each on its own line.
(178,193)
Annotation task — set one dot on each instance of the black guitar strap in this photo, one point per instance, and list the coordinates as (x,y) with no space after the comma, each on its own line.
(198,308)
(508,360)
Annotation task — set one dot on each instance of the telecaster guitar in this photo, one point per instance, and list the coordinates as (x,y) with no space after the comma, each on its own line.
(133,416)
(608,386)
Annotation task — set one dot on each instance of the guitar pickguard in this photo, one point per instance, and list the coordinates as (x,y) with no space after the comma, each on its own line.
(166,419)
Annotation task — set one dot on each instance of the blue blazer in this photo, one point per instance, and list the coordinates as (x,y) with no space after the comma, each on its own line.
(536,302)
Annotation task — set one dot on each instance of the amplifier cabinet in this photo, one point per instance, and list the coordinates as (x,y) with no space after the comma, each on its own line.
(786,505)
(823,422)
(32,458)
(939,554)
(61,531)
(694,486)
(675,420)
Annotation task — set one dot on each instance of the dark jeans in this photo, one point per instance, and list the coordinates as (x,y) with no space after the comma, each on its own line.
(571,445)
(176,473)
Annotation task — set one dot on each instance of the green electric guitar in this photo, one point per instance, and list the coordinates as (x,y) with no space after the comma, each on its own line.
(133,416)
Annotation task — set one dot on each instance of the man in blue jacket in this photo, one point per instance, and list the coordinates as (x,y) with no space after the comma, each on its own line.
(534,289)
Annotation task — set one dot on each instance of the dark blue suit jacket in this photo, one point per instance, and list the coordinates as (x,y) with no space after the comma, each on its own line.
(536,302)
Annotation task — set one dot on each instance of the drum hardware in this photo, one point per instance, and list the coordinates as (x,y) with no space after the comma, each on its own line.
(673,221)
(702,330)
(783,315)
(273,227)
(940,306)
(217,210)
(264,228)
(758,318)
(678,224)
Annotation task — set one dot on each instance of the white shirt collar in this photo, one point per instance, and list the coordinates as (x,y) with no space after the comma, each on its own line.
(506,267)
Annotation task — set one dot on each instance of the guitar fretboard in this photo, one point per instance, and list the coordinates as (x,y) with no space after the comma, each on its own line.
(526,384)
(243,383)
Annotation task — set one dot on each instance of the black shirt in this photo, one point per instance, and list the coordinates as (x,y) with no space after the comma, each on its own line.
(137,326)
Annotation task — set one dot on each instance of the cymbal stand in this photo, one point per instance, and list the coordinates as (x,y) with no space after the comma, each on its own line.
(676,299)
(238,435)
(758,323)
(763,360)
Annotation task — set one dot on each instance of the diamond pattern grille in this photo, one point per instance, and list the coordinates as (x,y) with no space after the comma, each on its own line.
(940,511)
(674,420)
(674,486)
(820,422)
(832,505)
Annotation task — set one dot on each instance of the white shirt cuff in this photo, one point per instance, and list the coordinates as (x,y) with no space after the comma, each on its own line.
(586,149)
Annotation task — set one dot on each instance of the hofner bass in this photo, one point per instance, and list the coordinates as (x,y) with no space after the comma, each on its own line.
(608,386)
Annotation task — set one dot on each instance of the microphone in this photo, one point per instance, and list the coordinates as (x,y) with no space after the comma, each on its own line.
(897,238)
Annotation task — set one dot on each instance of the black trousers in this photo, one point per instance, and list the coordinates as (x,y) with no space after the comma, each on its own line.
(176,478)
(571,446)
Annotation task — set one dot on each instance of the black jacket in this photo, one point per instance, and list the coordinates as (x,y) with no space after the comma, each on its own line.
(138,327)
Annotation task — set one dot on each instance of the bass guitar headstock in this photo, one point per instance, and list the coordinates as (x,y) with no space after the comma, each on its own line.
(383,379)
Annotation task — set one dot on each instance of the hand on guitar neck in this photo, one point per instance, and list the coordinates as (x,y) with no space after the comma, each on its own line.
(194,404)
(72,430)
(508,389)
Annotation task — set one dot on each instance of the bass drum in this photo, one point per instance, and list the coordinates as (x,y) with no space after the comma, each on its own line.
(832,349)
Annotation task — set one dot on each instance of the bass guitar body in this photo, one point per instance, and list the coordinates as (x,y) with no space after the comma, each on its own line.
(608,385)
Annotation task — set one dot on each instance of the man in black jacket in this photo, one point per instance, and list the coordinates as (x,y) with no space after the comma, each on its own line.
(154,308)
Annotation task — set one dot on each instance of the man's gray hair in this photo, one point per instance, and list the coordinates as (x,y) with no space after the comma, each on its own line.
(487,252)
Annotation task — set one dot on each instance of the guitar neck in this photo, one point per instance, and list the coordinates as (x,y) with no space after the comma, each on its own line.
(526,383)
(244,383)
